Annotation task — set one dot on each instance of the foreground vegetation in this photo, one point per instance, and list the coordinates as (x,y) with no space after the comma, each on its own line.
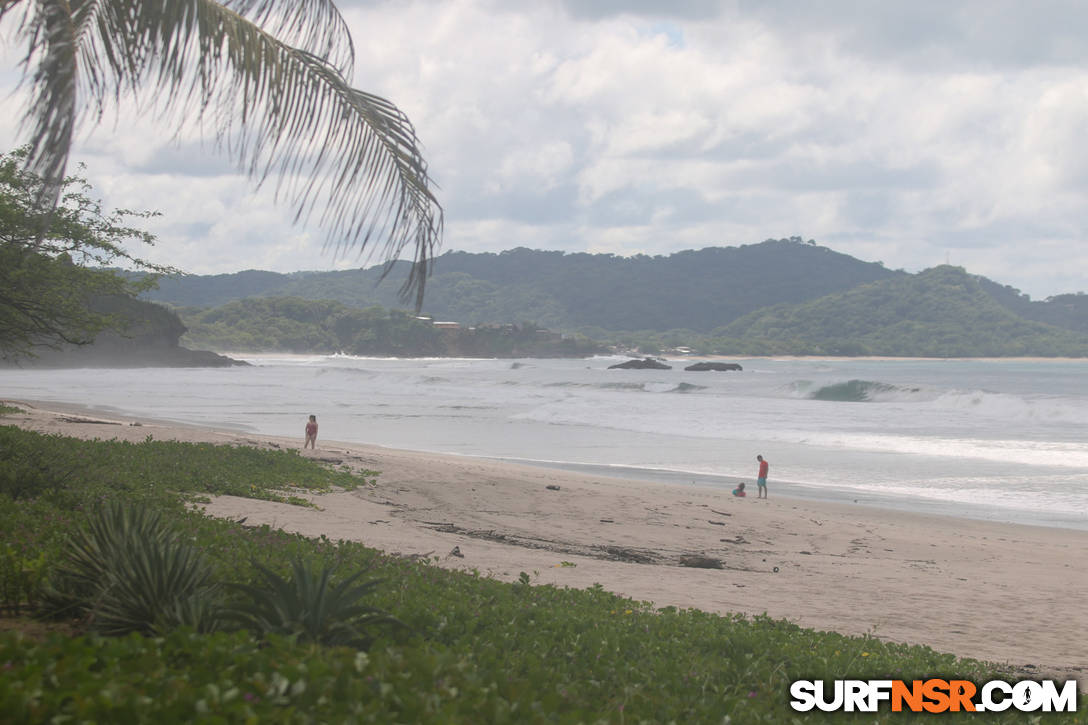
(439,646)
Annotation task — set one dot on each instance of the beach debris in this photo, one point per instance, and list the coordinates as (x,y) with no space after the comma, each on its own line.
(716,523)
(618,553)
(698,561)
(136,424)
(607,521)
(413,557)
(776,570)
(809,553)
(738,539)
(455,551)
(720,513)
(552,487)
(87,420)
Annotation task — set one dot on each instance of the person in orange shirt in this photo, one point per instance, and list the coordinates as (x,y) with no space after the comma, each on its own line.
(761,480)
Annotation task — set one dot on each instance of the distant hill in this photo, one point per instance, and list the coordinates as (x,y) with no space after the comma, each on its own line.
(941,312)
(698,290)
(1068,310)
(784,296)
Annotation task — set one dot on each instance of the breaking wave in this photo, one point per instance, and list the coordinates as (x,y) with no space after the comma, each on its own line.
(860,391)
(637,387)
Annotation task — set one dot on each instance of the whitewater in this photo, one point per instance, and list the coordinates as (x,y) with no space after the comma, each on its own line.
(1001,440)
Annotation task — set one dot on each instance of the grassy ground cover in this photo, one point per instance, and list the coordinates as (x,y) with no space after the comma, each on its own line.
(465,648)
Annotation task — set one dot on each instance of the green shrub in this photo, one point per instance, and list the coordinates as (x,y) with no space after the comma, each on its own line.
(31,535)
(20,579)
(309,606)
(77,473)
(126,571)
(31,471)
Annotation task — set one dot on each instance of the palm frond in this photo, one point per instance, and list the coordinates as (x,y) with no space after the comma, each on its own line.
(278,110)
(315,26)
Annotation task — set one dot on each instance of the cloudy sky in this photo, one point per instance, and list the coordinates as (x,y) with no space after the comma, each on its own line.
(912,133)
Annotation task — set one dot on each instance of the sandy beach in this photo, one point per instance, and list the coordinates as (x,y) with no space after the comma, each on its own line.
(1009,594)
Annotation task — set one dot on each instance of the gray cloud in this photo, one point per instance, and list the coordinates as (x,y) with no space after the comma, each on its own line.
(905,133)
(191,159)
(676,9)
(935,34)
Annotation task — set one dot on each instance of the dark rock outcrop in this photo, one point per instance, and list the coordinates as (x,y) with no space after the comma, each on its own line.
(645,364)
(148,337)
(700,367)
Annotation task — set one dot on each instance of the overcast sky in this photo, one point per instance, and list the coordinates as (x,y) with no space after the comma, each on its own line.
(912,133)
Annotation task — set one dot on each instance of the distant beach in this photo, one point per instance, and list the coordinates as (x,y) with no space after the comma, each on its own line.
(1005,593)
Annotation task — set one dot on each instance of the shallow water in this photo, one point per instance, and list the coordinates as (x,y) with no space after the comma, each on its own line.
(998,440)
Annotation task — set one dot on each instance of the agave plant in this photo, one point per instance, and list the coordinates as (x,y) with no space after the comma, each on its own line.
(309,606)
(127,571)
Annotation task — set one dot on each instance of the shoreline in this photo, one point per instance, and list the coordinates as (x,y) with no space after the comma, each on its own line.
(1004,593)
(670,357)
(794,491)
(675,477)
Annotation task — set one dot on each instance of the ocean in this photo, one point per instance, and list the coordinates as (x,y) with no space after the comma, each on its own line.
(999,440)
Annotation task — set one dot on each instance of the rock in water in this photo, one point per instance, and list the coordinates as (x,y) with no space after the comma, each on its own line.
(700,367)
(646,364)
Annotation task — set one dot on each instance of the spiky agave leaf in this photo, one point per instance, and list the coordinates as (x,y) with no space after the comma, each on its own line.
(277,109)
(308,606)
(90,552)
(155,588)
(126,571)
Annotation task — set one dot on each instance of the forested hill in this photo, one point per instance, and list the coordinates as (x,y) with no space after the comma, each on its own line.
(941,312)
(698,290)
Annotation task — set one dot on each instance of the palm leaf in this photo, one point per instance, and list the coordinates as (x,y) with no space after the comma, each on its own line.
(279,110)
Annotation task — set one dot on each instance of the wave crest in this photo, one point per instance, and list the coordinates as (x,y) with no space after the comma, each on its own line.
(858,391)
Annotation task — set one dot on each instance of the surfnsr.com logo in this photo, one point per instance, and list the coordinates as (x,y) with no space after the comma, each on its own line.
(933,695)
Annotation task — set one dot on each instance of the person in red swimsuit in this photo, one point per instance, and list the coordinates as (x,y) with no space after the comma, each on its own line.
(761,480)
(311,433)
